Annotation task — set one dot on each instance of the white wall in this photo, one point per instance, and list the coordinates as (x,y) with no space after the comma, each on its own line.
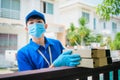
(71,11)
(27,6)
(70,15)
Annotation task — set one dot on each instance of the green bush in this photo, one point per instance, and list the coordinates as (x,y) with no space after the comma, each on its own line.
(115,45)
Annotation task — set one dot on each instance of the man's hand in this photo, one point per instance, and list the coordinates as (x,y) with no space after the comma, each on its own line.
(67,59)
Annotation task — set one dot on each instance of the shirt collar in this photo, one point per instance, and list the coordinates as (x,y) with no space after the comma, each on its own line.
(48,42)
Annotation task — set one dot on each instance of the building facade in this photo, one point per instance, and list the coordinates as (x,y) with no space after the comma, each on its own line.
(59,14)
(12,23)
(71,11)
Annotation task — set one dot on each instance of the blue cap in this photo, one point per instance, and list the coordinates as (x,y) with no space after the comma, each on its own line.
(35,13)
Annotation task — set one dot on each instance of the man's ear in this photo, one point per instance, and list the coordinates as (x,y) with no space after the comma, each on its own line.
(26,28)
(46,25)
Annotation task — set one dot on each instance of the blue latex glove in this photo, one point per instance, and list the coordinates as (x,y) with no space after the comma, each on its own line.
(67,59)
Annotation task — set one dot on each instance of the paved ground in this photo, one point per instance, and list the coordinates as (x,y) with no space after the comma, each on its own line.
(8,70)
(5,71)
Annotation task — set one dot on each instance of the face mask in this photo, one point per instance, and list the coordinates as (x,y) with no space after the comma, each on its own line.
(36,29)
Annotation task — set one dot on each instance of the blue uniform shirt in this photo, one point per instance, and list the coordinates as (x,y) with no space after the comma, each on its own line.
(29,58)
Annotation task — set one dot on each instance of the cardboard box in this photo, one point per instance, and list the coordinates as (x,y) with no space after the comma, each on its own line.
(98,53)
(93,53)
(83,52)
(95,62)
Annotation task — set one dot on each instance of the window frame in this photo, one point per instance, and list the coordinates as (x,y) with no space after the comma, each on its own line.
(10,13)
(94,23)
(104,25)
(114,27)
(86,15)
(46,8)
(8,42)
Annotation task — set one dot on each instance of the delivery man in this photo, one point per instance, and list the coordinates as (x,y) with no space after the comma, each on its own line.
(42,52)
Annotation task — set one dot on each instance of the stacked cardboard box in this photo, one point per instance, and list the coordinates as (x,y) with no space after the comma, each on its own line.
(94,57)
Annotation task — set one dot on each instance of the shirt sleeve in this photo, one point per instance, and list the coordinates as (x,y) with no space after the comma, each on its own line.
(23,63)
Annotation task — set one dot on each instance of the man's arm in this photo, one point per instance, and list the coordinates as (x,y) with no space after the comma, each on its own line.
(23,63)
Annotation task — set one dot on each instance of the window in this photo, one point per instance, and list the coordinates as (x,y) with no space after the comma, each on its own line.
(86,15)
(8,42)
(94,23)
(10,9)
(47,8)
(114,27)
(104,25)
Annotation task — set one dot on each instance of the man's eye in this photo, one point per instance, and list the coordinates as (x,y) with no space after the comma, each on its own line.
(39,22)
(31,22)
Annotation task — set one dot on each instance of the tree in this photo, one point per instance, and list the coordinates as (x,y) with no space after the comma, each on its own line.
(76,35)
(106,42)
(97,38)
(83,31)
(72,35)
(108,8)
